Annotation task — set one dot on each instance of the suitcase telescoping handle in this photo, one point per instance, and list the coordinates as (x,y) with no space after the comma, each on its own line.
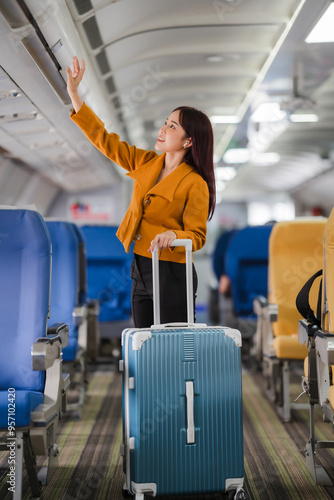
(188,244)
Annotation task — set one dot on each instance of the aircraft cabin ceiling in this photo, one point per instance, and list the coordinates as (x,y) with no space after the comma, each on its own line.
(228,58)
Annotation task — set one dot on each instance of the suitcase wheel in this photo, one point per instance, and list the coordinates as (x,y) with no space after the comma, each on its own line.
(126,493)
(239,494)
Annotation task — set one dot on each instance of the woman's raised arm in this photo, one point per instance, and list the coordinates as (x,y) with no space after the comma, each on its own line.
(73,81)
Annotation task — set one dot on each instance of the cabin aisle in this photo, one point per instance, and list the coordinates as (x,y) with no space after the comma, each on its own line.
(90,466)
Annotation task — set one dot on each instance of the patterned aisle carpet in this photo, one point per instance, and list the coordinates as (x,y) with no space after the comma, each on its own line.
(90,466)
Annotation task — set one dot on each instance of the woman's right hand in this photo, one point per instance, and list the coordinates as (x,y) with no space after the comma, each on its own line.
(74,78)
(73,81)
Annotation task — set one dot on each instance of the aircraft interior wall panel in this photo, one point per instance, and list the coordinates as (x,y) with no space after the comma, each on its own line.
(6,167)
(38,192)
(44,197)
(317,192)
(115,197)
(10,189)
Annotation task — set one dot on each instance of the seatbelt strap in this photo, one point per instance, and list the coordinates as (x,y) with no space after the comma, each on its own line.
(303,300)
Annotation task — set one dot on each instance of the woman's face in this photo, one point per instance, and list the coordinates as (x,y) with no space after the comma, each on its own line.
(172,136)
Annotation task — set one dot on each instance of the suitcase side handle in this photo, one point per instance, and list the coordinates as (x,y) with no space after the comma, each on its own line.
(180,325)
(188,244)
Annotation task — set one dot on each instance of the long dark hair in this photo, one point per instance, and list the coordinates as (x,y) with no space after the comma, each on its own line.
(200,155)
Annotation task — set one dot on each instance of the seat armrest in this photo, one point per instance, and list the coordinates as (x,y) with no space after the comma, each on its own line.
(267,314)
(306,330)
(260,302)
(325,347)
(45,350)
(79,314)
(262,307)
(47,356)
(59,330)
(93,307)
(302,331)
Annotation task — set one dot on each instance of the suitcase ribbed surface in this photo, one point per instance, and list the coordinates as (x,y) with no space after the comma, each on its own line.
(158,411)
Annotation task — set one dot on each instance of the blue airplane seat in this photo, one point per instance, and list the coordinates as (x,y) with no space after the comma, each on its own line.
(30,366)
(220,304)
(247,267)
(219,253)
(82,264)
(92,306)
(108,272)
(64,281)
(24,303)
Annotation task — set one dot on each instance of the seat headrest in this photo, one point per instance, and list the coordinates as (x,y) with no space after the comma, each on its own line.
(246,264)
(25,260)
(102,243)
(295,254)
(65,271)
(329,273)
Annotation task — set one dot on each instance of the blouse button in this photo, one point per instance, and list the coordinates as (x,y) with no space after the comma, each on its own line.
(147,202)
(138,237)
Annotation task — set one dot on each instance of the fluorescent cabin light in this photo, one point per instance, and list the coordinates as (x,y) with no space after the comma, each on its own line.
(225,119)
(238,155)
(259,213)
(304,118)
(215,58)
(48,145)
(323,31)
(264,159)
(268,112)
(225,173)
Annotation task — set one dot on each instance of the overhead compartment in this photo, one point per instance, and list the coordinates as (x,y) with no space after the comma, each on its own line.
(39,40)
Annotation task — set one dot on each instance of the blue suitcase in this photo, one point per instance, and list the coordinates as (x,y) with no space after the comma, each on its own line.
(182,405)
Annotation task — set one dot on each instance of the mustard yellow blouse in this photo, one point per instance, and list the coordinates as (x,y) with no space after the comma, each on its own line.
(179,202)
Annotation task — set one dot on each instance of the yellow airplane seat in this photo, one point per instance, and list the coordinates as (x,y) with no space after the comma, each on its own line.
(295,253)
(316,332)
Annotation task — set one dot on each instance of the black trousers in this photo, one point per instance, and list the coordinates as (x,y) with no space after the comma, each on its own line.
(173,298)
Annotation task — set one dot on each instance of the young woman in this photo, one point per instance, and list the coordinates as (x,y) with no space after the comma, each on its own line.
(173,197)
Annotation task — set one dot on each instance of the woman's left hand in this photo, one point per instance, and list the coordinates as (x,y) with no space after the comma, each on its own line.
(163,240)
